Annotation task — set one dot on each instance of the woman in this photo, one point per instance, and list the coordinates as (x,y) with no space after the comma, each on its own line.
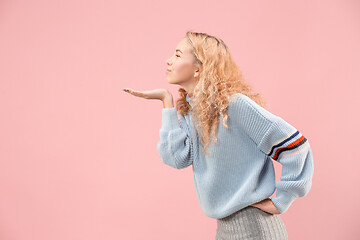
(234,175)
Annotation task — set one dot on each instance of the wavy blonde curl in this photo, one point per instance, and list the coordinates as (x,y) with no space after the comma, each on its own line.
(219,78)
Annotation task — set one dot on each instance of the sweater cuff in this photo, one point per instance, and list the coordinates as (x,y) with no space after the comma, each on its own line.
(169,119)
(283,200)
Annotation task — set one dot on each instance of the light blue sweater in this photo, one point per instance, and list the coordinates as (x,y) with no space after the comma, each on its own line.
(239,170)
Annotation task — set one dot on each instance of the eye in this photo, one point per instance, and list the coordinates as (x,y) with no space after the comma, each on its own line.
(177,55)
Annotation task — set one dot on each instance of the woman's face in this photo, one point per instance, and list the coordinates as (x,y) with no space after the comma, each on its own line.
(181,65)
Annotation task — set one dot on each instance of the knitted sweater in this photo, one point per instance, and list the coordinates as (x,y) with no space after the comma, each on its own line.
(239,170)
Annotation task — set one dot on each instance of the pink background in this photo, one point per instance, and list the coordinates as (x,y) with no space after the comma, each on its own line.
(78,156)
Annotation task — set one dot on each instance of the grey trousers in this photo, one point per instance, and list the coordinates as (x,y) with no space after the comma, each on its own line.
(251,223)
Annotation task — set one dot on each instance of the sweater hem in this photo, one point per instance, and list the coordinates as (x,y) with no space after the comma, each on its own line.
(234,209)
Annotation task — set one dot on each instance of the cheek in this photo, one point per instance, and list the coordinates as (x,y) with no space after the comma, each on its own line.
(182,69)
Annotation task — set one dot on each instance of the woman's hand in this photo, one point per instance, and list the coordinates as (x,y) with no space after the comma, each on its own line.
(159,93)
(267,206)
(162,94)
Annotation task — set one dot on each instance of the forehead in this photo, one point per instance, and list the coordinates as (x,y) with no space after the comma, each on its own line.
(183,46)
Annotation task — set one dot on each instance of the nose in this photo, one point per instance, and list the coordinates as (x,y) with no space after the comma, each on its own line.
(168,63)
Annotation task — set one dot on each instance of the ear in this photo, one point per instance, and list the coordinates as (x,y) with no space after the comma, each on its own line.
(197,72)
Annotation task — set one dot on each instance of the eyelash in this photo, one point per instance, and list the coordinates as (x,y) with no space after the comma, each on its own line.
(177,55)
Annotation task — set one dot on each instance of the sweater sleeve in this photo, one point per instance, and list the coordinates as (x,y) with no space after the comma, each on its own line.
(283,143)
(175,145)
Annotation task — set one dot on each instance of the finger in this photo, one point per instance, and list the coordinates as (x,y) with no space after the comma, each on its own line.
(136,93)
(129,90)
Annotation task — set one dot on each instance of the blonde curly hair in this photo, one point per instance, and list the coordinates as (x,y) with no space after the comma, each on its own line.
(220,77)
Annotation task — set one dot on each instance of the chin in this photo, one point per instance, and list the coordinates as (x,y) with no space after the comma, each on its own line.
(170,80)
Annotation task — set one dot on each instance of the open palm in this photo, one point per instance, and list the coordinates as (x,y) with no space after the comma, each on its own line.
(158,93)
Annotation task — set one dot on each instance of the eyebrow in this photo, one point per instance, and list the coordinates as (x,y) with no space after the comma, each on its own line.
(178,50)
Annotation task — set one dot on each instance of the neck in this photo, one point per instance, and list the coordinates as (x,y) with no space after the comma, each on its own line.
(189,88)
